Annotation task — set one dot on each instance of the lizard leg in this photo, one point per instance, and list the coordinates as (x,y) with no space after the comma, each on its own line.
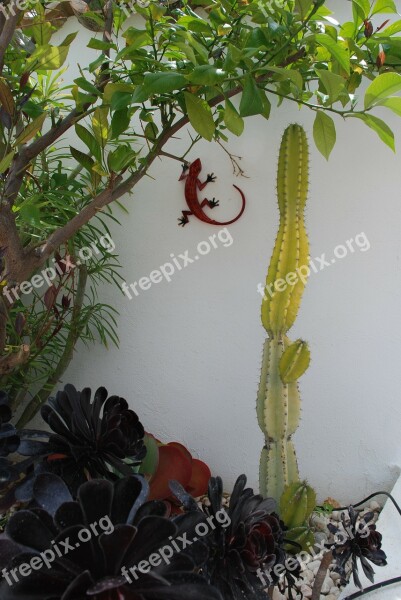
(210,203)
(184,219)
(209,179)
(184,173)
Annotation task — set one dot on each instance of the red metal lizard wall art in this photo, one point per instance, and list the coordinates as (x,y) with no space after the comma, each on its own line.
(192,184)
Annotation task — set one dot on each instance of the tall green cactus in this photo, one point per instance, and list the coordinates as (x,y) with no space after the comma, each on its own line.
(279,403)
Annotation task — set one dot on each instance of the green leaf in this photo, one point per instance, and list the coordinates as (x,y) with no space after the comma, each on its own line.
(31,130)
(163,82)
(30,214)
(151,131)
(333,84)
(338,52)
(324,133)
(32,110)
(380,127)
(266,104)
(67,41)
(86,85)
(233,57)
(119,122)
(98,168)
(113,88)
(360,9)
(294,76)
(303,7)
(136,38)
(89,140)
(121,100)
(150,462)
(50,58)
(200,116)
(384,6)
(42,33)
(393,103)
(6,161)
(101,126)
(251,102)
(83,159)
(96,44)
(120,158)
(383,86)
(47,58)
(206,75)
(389,31)
(140,94)
(232,120)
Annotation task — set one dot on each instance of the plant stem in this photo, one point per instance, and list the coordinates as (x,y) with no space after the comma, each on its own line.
(40,398)
(321,574)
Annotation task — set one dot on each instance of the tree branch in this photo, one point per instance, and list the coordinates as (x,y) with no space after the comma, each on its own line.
(8,362)
(36,258)
(7,31)
(9,240)
(27,153)
(321,575)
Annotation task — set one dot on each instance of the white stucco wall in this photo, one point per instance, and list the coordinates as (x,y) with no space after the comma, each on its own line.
(190,350)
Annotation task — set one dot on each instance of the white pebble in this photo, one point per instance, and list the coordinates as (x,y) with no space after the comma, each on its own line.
(278,595)
(334,590)
(374,505)
(320,522)
(306,590)
(335,576)
(327,585)
(332,597)
(314,566)
(308,575)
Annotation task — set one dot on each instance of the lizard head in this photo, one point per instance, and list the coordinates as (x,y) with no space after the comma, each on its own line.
(195,168)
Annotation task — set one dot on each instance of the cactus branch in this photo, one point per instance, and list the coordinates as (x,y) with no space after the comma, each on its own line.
(278,401)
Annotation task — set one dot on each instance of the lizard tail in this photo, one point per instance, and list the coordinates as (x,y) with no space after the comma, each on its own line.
(240,212)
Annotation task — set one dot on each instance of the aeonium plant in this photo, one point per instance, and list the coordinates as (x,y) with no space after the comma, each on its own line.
(92,545)
(91,438)
(86,465)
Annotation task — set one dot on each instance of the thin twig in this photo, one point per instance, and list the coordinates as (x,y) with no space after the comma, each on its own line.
(237,169)
(321,575)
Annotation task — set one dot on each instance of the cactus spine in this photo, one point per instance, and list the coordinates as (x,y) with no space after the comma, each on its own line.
(278,402)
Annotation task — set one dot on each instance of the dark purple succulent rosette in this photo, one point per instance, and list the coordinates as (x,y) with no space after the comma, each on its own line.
(356,542)
(136,529)
(89,439)
(99,438)
(250,541)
